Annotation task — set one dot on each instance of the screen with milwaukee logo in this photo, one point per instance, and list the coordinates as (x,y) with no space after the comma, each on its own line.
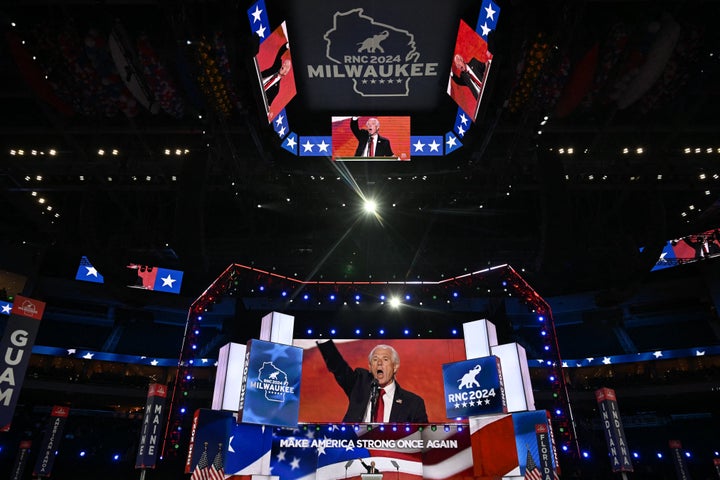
(419,374)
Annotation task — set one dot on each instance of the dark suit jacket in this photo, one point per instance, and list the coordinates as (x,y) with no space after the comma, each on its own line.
(273,90)
(382,146)
(407,407)
(369,468)
(465,78)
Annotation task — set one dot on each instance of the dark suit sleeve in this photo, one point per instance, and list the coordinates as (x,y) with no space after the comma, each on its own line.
(344,374)
(276,63)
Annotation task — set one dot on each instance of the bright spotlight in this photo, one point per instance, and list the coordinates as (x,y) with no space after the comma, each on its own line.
(395,302)
(370,206)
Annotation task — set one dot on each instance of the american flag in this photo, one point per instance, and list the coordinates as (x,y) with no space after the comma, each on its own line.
(532,472)
(217,472)
(201,469)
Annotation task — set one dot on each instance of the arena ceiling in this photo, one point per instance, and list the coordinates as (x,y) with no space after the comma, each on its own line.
(597,136)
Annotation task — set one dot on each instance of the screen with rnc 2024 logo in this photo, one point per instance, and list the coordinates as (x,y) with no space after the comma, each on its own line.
(271,392)
(474,387)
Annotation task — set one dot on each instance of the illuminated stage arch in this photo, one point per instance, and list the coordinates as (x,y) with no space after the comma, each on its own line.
(281,292)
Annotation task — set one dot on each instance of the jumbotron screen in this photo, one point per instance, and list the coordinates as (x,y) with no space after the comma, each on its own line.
(372,56)
(351,138)
(421,360)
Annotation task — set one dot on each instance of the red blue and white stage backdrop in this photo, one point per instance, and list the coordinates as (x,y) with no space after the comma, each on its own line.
(421,372)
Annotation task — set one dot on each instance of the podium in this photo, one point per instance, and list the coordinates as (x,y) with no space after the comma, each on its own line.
(371,476)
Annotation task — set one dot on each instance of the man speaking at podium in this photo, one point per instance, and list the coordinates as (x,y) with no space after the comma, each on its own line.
(373,394)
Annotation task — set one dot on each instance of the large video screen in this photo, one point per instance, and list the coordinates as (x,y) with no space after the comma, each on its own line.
(355,56)
(322,400)
(371,138)
(275,73)
(469,70)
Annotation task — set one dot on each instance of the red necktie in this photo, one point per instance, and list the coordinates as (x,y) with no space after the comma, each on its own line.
(269,81)
(371,148)
(380,413)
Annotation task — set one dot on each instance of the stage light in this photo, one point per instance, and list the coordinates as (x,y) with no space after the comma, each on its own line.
(82,453)
(309,331)
(586,454)
(284,294)
(547,348)
(558,412)
(541,318)
(565,448)
(395,302)
(261,288)
(306,297)
(357,298)
(182,410)
(687,454)
(332,297)
(406,331)
(382,298)
(357,331)
(116,457)
(447,428)
(382,331)
(636,455)
(332,331)
(455,294)
(552,378)
(407,297)
(453,331)
(370,206)
(659,455)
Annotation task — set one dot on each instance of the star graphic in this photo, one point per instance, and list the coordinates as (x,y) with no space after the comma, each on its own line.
(281,455)
(434,146)
(607,361)
(295,463)
(489,12)
(281,131)
(88,356)
(323,146)
(485,30)
(564,365)
(307,146)
(472,403)
(657,354)
(457,405)
(91,271)
(463,119)
(256,14)
(464,404)
(279,120)
(6,309)
(451,142)
(291,142)
(349,447)
(419,146)
(699,353)
(460,130)
(71,351)
(154,363)
(590,359)
(487,401)
(261,32)
(168,281)
(321,446)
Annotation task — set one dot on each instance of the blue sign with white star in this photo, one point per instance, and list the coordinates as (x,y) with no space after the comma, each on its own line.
(488,18)
(452,143)
(280,124)
(168,280)
(474,387)
(463,122)
(291,143)
(86,272)
(426,146)
(258,17)
(315,146)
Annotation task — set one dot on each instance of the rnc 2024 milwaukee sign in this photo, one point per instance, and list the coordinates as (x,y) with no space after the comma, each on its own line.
(351,55)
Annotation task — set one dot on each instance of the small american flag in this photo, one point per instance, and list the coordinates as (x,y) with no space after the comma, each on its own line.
(531,470)
(202,468)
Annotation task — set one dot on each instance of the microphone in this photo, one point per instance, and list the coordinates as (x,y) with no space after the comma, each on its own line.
(374,391)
